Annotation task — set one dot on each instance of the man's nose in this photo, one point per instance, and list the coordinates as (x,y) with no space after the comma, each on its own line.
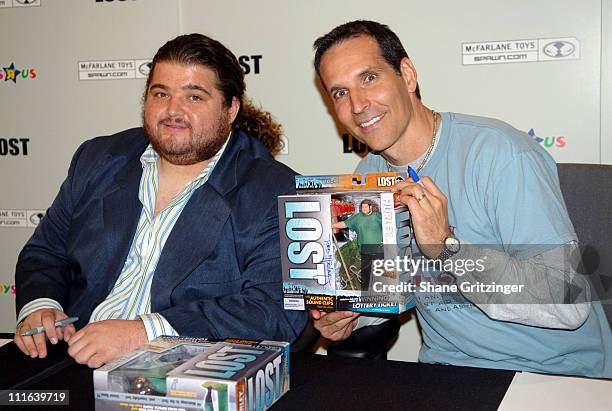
(359,101)
(175,106)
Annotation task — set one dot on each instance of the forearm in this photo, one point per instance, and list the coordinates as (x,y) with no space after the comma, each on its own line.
(544,300)
(251,315)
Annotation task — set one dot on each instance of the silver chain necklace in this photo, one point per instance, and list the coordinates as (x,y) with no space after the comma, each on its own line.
(436,124)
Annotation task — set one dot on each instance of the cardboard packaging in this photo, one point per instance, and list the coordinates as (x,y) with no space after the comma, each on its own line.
(175,373)
(335,234)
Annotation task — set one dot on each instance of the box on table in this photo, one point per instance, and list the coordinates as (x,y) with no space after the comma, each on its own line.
(335,233)
(176,373)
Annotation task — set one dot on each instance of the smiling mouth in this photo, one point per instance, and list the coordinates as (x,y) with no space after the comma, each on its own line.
(175,126)
(371,122)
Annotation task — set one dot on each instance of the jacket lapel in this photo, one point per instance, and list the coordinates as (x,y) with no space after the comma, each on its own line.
(121,211)
(191,241)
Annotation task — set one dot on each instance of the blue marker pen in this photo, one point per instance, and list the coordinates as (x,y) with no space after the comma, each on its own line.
(414,176)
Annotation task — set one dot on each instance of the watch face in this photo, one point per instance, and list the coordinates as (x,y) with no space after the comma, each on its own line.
(452,244)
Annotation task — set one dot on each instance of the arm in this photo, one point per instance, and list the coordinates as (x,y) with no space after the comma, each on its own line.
(544,273)
(554,295)
(339,224)
(43,269)
(42,274)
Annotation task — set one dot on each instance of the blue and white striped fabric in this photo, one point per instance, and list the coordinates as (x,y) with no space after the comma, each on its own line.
(130,297)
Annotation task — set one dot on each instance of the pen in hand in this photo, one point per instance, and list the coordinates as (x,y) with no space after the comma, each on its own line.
(414,176)
(58,323)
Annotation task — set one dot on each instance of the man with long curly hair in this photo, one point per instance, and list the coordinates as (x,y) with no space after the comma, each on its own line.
(170,228)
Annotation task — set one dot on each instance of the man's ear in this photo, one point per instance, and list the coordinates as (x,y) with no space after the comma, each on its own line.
(233,109)
(409,74)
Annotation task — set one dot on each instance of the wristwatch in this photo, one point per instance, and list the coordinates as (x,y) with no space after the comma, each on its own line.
(452,245)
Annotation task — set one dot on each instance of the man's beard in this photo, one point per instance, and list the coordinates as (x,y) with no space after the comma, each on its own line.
(202,145)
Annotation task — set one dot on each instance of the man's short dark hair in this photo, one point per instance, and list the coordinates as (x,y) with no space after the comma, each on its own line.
(198,49)
(390,46)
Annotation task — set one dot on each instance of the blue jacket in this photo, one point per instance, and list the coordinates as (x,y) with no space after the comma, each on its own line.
(219,274)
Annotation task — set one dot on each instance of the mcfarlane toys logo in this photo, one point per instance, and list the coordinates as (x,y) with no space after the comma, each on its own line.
(114,69)
(559,49)
(548,141)
(21,218)
(12,73)
(520,51)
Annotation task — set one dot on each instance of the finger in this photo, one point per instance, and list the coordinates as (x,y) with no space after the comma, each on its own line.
(68,332)
(431,187)
(316,314)
(27,341)
(412,190)
(20,344)
(96,361)
(76,336)
(48,322)
(412,203)
(84,353)
(59,332)
(75,346)
(40,340)
(402,185)
(331,328)
(424,200)
(30,346)
(344,332)
(333,317)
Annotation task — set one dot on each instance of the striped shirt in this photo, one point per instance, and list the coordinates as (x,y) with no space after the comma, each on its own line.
(130,297)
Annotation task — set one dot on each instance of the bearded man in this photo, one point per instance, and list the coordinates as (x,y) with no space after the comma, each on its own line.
(169,229)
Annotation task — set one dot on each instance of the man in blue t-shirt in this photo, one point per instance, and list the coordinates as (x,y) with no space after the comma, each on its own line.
(490,195)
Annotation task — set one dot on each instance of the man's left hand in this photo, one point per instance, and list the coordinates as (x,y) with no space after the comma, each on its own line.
(103,341)
(429,212)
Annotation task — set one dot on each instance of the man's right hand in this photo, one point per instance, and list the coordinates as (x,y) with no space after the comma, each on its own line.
(335,326)
(36,345)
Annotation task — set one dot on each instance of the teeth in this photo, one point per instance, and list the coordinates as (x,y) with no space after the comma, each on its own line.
(369,123)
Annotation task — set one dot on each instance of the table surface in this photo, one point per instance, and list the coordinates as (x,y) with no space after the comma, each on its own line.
(317,382)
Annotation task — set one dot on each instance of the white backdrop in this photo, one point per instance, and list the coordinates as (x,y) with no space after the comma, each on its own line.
(81,75)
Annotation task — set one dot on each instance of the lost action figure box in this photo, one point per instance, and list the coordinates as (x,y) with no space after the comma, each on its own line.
(340,237)
(189,374)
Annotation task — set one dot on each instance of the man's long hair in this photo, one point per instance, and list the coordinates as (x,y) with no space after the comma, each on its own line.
(198,49)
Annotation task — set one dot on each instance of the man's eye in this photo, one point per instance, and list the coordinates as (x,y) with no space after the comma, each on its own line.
(195,98)
(370,77)
(339,94)
(159,94)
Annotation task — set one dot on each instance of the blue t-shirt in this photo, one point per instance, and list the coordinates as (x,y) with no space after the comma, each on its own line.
(502,189)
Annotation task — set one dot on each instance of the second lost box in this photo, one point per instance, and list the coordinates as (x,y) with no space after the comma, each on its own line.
(335,234)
